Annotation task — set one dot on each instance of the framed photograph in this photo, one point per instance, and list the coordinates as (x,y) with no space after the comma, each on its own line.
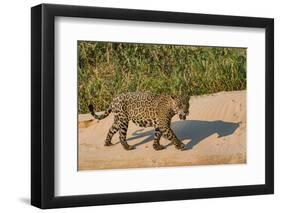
(136,106)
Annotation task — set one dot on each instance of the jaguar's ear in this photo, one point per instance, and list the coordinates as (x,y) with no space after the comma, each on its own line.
(173,96)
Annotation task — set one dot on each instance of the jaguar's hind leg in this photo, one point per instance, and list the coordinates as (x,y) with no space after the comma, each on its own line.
(156,143)
(123,127)
(113,129)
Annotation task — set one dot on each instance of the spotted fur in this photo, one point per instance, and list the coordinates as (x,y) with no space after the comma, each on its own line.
(145,110)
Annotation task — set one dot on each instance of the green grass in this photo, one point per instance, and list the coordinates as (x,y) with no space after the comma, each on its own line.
(108,69)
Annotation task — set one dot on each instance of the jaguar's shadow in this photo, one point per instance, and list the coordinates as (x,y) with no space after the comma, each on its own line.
(193,130)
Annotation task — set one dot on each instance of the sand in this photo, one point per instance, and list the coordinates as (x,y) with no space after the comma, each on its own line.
(214,133)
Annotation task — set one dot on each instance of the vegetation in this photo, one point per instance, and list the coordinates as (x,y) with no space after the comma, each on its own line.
(107,69)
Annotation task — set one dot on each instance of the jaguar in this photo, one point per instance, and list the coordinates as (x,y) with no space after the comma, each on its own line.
(146,110)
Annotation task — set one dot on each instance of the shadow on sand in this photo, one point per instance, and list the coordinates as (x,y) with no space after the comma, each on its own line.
(193,130)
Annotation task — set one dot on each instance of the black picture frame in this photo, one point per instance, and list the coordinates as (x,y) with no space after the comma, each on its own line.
(43,102)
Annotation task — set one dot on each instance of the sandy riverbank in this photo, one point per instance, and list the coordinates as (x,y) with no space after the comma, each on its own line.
(214,133)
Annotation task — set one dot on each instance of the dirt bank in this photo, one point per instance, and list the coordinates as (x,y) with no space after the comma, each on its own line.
(214,133)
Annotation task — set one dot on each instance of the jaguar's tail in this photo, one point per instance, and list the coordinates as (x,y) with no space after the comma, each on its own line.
(99,117)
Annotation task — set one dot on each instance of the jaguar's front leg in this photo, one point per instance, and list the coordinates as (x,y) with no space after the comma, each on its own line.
(170,135)
(156,143)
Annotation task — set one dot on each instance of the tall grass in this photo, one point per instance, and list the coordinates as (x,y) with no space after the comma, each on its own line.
(107,69)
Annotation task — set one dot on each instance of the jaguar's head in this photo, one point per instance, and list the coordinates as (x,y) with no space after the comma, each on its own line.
(181,105)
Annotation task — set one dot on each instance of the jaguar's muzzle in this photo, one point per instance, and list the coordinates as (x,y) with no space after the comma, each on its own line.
(182,116)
